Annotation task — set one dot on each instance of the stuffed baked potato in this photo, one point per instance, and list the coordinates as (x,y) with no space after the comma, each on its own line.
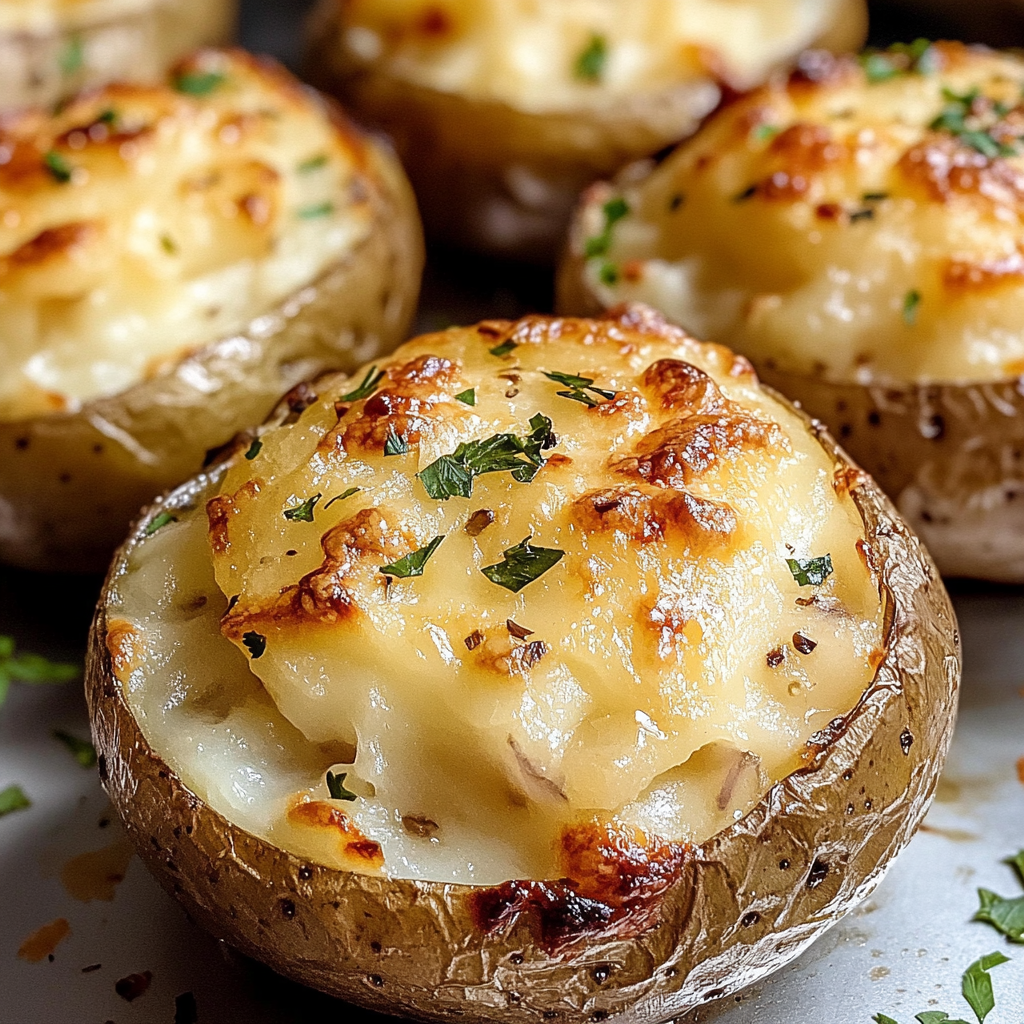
(855,231)
(503,111)
(175,258)
(50,49)
(546,670)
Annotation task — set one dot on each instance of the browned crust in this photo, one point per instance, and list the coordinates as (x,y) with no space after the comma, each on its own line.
(71,483)
(730,911)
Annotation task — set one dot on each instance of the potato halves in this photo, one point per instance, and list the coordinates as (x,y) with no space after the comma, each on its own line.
(855,231)
(503,110)
(173,259)
(546,670)
(50,49)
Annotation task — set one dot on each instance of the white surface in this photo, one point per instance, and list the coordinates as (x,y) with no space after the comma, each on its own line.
(901,953)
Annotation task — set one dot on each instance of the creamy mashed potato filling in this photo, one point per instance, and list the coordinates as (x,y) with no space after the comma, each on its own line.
(518,587)
(141,222)
(862,221)
(544,56)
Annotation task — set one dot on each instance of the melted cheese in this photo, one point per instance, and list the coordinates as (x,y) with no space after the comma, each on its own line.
(142,222)
(44,16)
(660,676)
(528,53)
(829,224)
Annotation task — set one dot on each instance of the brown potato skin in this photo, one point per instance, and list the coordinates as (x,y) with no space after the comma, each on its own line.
(70,484)
(470,160)
(741,905)
(140,46)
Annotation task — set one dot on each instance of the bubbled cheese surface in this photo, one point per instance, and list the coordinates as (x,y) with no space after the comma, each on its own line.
(863,223)
(142,222)
(540,55)
(658,677)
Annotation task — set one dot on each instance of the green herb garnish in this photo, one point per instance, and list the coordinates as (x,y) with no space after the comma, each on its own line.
(452,475)
(467,397)
(608,274)
(342,496)
(765,132)
(30,668)
(977,984)
(810,572)
(918,57)
(503,349)
(58,166)
(254,449)
(336,787)
(198,83)
(874,197)
(13,799)
(1005,915)
(168,245)
(72,56)
(158,522)
(413,563)
(521,565)
(395,444)
(976,132)
(82,750)
(367,388)
(590,64)
(578,388)
(314,163)
(314,211)
(911,301)
(614,210)
(255,643)
(303,512)
(748,193)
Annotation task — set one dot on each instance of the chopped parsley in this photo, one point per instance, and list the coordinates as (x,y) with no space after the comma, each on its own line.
(503,349)
(255,643)
(254,449)
(591,62)
(1005,915)
(522,564)
(765,132)
(395,444)
(58,167)
(866,214)
(314,211)
(336,787)
(72,56)
(578,388)
(30,668)
(13,799)
(959,119)
(370,384)
(748,193)
(875,197)
(467,397)
(911,302)
(413,563)
(614,210)
(168,245)
(81,750)
(810,572)
(158,522)
(608,274)
(198,83)
(341,497)
(303,512)
(453,474)
(918,57)
(314,163)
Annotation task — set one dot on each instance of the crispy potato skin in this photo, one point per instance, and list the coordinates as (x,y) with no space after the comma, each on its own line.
(496,178)
(71,483)
(734,909)
(40,67)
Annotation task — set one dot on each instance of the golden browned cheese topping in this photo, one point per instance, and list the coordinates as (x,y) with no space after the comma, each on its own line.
(141,222)
(861,219)
(578,53)
(544,599)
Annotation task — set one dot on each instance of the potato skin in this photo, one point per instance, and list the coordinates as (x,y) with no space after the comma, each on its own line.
(70,484)
(36,70)
(497,179)
(738,907)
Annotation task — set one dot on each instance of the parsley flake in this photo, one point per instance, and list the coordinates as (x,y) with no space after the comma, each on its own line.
(590,64)
(911,302)
(522,564)
(30,668)
(370,384)
(918,57)
(303,512)
(168,245)
(341,497)
(58,166)
(314,163)
(608,274)
(748,193)
(810,572)
(503,349)
(198,83)
(72,57)
(336,787)
(255,643)
(395,444)
(453,474)
(254,449)
(413,563)
(315,211)
(766,132)
(13,799)
(1005,915)
(158,522)
(614,210)
(81,750)
(974,129)
(977,984)
(467,397)
(578,388)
